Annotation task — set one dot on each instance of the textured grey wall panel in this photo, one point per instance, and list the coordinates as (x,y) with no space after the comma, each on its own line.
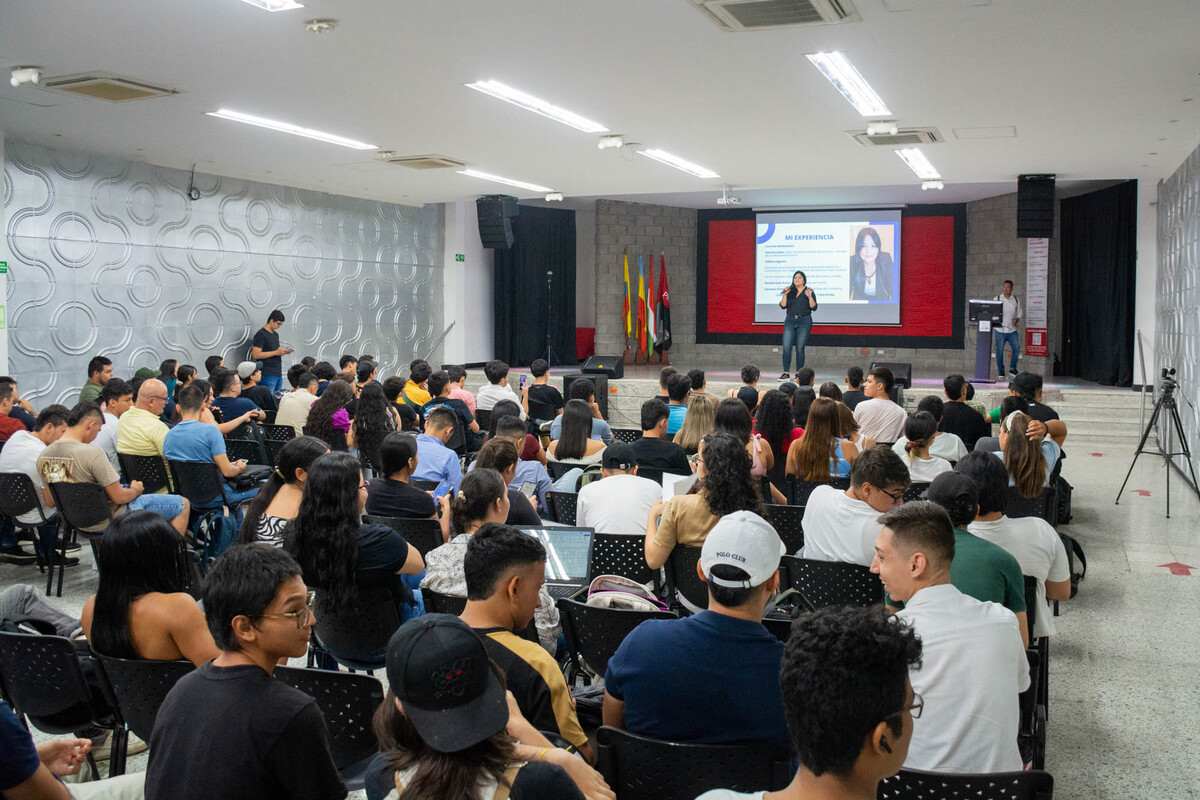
(110,257)
(1177,337)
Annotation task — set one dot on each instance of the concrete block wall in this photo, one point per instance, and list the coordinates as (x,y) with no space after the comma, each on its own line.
(993,253)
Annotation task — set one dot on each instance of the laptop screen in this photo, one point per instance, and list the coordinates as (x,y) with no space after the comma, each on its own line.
(568,551)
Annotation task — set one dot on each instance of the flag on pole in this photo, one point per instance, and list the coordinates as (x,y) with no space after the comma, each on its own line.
(651,302)
(641,307)
(662,319)
(628,309)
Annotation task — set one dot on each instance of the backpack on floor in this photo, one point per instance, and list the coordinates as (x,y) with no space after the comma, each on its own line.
(1062,490)
(1076,560)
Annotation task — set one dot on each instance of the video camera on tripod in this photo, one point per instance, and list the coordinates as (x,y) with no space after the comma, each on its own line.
(1167,440)
(1168,383)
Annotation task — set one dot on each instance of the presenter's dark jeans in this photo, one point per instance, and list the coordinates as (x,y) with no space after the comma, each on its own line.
(273,382)
(1014,341)
(795,335)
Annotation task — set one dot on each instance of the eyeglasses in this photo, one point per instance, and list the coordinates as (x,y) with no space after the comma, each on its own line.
(916,707)
(301,616)
(157,398)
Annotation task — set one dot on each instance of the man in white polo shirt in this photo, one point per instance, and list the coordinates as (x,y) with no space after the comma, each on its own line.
(878,417)
(619,502)
(1006,332)
(973,664)
(842,525)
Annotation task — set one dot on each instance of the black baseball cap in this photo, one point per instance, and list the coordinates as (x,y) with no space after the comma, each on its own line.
(619,455)
(439,669)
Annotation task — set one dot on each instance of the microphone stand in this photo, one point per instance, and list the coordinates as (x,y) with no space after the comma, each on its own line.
(549,318)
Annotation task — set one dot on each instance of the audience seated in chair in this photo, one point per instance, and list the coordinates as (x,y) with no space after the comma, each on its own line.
(620,501)
(230,729)
(504,571)
(391,494)
(294,406)
(973,662)
(142,432)
(468,742)
(920,432)
(250,374)
(436,461)
(410,419)
(99,372)
(501,455)
(531,472)
(1029,454)
(945,444)
(482,499)
(20,454)
(821,453)
(458,385)
(959,418)
(734,418)
(329,418)
(725,486)
(841,525)
(1028,386)
(142,608)
(679,389)
(227,386)
(347,369)
(674,679)
(1032,541)
(775,424)
(194,440)
(854,394)
(278,502)
(374,419)
(699,422)
(654,450)
(877,416)
(541,401)
(584,389)
(74,459)
(848,701)
(496,389)
(439,389)
(573,445)
(415,391)
(115,399)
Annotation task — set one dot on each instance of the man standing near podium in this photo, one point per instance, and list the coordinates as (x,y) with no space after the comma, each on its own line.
(1006,331)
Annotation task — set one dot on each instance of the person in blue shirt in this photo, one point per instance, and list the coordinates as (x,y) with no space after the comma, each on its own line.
(583,389)
(713,677)
(436,461)
(195,440)
(679,387)
(228,389)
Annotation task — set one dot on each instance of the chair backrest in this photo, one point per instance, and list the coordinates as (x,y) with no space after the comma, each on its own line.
(1044,505)
(787,521)
(139,687)
(916,785)
(840,483)
(360,630)
(682,577)
(424,485)
(594,634)
(797,491)
(423,534)
(275,437)
(438,603)
(347,701)
(1031,603)
(621,554)
(484,418)
(627,435)
(150,470)
(250,449)
(563,506)
(82,505)
(18,495)
(650,473)
(557,469)
(42,678)
(199,481)
(639,768)
(832,583)
(915,490)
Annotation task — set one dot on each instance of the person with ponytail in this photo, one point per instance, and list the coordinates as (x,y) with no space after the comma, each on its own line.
(482,498)
(919,432)
(821,453)
(1028,454)
(278,502)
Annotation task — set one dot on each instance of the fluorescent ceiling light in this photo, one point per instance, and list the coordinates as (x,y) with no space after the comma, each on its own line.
(850,82)
(287,127)
(537,105)
(678,163)
(919,164)
(274,5)
(927,185)
(487,176)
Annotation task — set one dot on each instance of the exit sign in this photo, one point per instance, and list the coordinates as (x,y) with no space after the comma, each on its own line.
(459,257)
(3,267)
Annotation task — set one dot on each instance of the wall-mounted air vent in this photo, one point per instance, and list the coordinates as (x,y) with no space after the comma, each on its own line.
(103,86)
(904,137)
(757,15)
(428,161)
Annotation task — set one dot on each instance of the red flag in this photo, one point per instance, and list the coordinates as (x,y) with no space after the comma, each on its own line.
(662,319)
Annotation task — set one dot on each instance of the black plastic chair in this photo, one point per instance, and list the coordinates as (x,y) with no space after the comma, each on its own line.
(18,496)
(438,603)
(347,702)
(915,490)
(916,785)
(650,473)
(80,506)
(356,635)
(200,482)
(832,583)
(558,468)
(639,768)
(788,523)
(1035,700)
(423,534)
(1044,505)
(138,688)
(484,418)
(424,486)
(840,483)
(562,504)
(621,554)
(682,578)
(42,678)
(627,435)
(797,491)
(594,634)
(150,470)
(252,450)
(275,437)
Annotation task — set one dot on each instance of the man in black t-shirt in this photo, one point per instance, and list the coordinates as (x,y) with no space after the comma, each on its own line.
(654,450)
(542,402)
(265,348)
(392,495)
(853,394)
(958,417)
(252,387)
(230,729)
(438,385)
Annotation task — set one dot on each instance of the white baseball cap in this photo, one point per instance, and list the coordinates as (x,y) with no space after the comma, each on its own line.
(744,540)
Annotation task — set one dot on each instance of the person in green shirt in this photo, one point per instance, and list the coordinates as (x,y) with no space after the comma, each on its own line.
(99,372)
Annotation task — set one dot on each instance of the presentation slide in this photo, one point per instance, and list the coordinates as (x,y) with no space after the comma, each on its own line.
(850,258)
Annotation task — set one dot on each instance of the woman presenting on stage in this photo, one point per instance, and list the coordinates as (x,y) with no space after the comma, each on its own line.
(798,302)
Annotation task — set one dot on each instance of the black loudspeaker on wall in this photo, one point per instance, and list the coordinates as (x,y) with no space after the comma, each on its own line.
(496,212)
(1035,206)
(612,366)
(599,380)
(901,372)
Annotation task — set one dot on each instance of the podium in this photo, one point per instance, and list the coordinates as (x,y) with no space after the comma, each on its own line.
(984,315)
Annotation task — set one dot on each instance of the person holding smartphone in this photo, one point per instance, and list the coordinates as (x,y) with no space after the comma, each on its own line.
(798,302)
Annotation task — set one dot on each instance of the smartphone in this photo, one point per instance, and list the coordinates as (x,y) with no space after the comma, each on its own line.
(528,489)
(522,385)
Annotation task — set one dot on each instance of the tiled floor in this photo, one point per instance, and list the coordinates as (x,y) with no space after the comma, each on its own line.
(1124,692)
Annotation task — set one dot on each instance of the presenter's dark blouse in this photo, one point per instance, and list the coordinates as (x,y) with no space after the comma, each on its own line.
(797,305)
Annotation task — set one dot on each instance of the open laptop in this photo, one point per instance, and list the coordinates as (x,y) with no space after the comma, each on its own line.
(568,556)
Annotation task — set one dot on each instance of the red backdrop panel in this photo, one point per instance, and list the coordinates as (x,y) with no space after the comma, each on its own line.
(926,284)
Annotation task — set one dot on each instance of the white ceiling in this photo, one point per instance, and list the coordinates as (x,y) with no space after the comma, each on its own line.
(1092,87)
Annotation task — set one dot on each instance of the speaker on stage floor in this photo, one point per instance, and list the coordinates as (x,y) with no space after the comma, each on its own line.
(1035,206)
(901,372)
(612,366)
(496,212)
(599,380)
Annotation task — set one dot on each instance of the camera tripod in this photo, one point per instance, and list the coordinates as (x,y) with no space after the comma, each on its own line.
(1166,400)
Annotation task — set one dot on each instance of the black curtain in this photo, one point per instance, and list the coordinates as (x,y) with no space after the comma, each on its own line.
(544,240)
(1098,236)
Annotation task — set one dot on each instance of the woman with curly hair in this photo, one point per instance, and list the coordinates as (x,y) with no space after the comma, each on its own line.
(334,548)
(373,420)
(774,423)
(724,485)
(329,419)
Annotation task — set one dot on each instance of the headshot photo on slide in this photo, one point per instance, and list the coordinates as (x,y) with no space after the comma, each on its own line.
(871,264)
